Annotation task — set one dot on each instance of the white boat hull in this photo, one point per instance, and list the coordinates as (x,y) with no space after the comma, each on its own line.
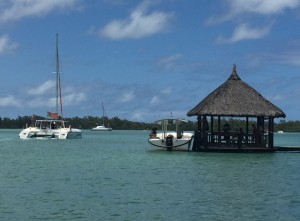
(163,141)
(101,128)
(61,133)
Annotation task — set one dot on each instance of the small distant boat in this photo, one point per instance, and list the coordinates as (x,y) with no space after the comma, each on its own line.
(102,127)
(168,139)
(55,127)
(280,132)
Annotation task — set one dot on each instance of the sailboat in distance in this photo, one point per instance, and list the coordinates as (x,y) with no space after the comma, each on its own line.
(56,126)
(102,127)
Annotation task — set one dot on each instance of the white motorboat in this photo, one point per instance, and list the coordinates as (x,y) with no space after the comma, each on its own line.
(55,127)
(50,129)
(171,136)
(102,127)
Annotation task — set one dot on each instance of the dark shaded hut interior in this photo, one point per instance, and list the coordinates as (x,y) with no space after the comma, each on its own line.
(235,99)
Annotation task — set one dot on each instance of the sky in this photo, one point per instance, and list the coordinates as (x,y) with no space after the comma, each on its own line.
(145,59)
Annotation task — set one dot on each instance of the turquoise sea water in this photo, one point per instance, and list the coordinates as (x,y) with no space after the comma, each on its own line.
(116,176)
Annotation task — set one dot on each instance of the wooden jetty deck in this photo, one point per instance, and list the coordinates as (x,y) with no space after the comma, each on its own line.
(287,148)
(248,149)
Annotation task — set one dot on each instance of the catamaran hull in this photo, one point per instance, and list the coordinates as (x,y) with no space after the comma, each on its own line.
(63,133)
(101,129)
(74,134)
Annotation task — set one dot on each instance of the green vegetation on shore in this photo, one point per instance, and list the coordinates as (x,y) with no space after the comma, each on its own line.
(116,123)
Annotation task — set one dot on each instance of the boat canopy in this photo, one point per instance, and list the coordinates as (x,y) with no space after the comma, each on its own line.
(170,121)
(51,120)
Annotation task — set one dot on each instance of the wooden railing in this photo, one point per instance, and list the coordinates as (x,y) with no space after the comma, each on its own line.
(234,138)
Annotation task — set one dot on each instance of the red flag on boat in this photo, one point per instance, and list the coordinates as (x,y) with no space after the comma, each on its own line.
(53,115)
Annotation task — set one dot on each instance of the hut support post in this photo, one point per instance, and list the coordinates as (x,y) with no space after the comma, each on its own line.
(247,130)
(212,140)
(219,130)
(258,142)
(196,143)
(257,135)
(197,138)
(271,132)
(204,132)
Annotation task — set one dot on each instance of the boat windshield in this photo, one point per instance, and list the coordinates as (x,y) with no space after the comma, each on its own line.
(49,124)
(171,124)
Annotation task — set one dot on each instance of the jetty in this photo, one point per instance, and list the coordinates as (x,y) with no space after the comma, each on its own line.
(235,99)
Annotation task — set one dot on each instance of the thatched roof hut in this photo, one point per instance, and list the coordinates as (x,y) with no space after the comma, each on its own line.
(236,98)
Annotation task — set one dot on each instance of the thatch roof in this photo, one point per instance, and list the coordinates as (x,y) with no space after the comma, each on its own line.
(236,98)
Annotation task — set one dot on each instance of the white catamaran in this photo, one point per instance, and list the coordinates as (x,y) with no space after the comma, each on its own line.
(102,127)
(55,127)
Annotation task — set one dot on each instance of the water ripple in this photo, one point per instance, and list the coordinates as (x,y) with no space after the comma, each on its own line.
(99,178)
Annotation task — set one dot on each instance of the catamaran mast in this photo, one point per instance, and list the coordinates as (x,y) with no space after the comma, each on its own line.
(57,73)
(103,114)
(58,85)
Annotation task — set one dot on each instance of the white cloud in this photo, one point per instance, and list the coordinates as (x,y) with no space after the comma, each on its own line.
(9,101)
(260,7)
(242,12)
(286,57)
(265,7)
(276,97)
(51,102)
(68,100)
(13,10)
(155,100)
(167,63)
(43,88)
(6,45)
(245,32)
(139,24)
(40,102)
(137,117)
(74,98)
(167,90)
(291,58)
(42,99)
(127,97)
